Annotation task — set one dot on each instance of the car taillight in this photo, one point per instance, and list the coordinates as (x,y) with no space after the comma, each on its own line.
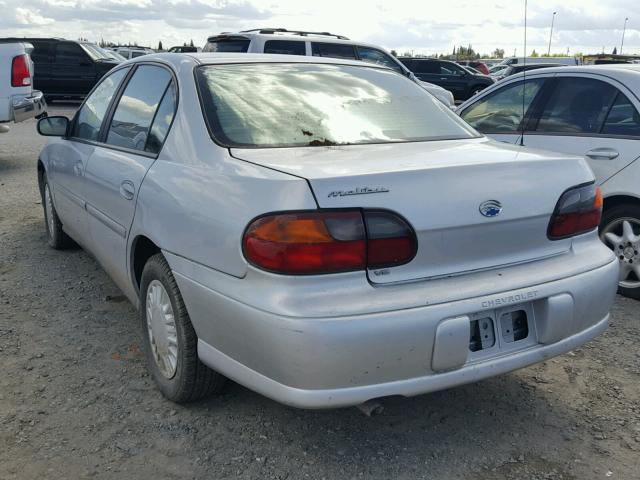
(328,241)
(578,211)
(20,74)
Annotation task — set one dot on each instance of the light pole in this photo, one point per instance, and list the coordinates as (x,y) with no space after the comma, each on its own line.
(623,30)
(551,34)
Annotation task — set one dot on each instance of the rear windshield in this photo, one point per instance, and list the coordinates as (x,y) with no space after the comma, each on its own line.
(287,105)
(237,45)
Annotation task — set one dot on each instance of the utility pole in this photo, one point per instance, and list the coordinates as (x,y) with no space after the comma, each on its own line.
(553,18)
(623,31)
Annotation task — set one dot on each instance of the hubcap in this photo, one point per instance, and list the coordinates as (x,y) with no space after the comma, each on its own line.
(620,235)
(161,328)
(48,209)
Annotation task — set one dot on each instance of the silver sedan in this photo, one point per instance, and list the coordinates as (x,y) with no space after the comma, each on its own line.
(323,232)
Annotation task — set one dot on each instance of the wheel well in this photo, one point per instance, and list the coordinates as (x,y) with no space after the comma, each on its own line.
(143,248)
(616,200)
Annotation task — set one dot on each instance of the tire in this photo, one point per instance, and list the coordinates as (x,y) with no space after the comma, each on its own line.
(188,379)
(56,238)
(475,90)
(629,254)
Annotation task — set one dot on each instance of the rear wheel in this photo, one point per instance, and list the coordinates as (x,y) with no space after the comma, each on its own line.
(169,340)
(56,238)
(620,231)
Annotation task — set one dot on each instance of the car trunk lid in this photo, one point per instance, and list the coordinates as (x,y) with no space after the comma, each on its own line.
(440,188)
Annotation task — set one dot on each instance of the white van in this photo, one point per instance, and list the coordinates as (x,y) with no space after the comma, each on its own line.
(559,60)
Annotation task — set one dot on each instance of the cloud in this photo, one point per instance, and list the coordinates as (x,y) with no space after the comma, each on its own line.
(24,16)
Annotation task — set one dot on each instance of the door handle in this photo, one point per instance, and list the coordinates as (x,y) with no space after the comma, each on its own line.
(602,154)
(127,189)
(77,169)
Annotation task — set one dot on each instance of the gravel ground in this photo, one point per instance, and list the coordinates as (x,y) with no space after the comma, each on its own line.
(76,400)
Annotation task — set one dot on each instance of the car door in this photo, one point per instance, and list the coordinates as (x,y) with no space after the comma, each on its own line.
(73,72)
(591,116)
(131,142)
(68,158)
(498,114)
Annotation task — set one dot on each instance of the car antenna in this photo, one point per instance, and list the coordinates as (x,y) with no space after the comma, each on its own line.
(524,75)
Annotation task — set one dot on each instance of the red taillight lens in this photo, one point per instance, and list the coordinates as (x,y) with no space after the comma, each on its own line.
(578,211)
(328,242)
(391,241)
(20,74)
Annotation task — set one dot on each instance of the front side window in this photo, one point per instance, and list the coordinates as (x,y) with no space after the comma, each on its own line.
(333,50)
(576,106)
(623,118)
(501,111)
(426,66)
(137,107)
(90,117)
(237,45)
(68,53)
(282,105)
(285,47)
(372,55)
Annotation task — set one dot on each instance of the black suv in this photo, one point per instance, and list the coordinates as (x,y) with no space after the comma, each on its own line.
(459,81)
(65,68)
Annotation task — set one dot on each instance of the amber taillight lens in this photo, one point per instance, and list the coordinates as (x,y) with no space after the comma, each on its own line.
(328,241)
(579,210)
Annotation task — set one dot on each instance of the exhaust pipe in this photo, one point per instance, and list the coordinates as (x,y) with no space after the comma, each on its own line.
(371,408)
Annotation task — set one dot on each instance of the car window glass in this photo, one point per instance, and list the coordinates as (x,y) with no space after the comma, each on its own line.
(623,118)
(372,55)
(70,54)
(577,105)
(451,69)
(229,45)
(137,54)
(333,50)
(315,105)
(136,108)
(41,53)
(501,111)
(285,47)
(162,122)
(89,119)
(426,66)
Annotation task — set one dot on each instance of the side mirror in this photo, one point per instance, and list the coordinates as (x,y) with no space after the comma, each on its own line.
(53,126)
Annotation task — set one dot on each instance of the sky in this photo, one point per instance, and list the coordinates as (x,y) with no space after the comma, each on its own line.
(418,26)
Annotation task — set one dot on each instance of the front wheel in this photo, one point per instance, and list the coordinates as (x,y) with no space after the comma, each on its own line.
(169,340)
(620,231)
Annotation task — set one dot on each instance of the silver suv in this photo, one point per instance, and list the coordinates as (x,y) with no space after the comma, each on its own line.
(317,44)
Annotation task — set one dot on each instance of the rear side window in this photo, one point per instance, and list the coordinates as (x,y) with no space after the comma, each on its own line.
(426,66)
(623,118)
(137,54)
(68,53)
(576,106)
(285,47)
(501,111)
(137,107)
(91,115)
(163,120)
(315,105)
(41,52)
(237,45)
(333,50)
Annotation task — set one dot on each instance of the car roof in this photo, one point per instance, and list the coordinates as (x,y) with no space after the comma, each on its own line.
(321,37)
(212,58)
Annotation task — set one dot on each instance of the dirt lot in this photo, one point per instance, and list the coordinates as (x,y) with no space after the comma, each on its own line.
(76,400)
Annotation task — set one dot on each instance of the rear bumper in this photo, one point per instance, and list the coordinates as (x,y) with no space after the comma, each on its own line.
(26,107)
(335,361)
